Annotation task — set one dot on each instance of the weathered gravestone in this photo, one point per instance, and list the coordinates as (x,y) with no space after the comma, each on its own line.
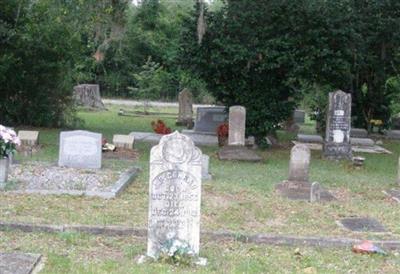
(88,95)
(29,137)
(175,193)
(337,138)
(299,163)
(299,116)
(297,187)
(123,141)
(208,119)
(236,150)
(185,115)
(80,149)
(237,126)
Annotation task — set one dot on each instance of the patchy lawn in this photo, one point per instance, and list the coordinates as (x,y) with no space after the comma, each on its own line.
(240,198)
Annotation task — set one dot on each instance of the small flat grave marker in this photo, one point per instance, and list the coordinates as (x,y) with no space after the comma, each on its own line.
(18,263)
(29,137)
(362,225)
(123,141)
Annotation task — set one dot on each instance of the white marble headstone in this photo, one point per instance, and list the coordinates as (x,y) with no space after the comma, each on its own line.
(80,149)
(175,193)
(237,126)
(299,163)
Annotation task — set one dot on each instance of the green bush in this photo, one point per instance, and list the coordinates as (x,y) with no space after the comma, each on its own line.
(35,82)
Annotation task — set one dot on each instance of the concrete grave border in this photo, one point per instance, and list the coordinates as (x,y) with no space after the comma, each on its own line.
(124,180)
(266,239)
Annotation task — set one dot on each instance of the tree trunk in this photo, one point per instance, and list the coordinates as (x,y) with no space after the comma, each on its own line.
(88,96)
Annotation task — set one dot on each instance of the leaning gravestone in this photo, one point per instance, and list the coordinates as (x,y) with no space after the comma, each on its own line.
(337,138)
(175,193)
(237,126)
(80,149)
(88,96)
(299,163)
(185,115)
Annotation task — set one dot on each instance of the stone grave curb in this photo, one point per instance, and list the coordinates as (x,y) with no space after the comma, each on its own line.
(265,239)
(124,180)
(36,264)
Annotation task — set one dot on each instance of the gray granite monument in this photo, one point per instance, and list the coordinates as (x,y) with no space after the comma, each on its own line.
(80,149)
(175,193)
(338,124)
(209,118)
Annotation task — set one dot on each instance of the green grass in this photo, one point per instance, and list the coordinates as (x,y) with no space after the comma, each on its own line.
(240,198)
(80,253)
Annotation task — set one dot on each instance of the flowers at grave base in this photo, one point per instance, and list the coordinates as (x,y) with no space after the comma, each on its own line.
(159,127)
(376,122)
(222,133)
(8,141)
(177,252)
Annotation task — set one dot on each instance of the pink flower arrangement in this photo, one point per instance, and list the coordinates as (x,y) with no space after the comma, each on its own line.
(8,141)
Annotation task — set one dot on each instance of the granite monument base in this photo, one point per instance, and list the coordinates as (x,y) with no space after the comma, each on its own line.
(337,151)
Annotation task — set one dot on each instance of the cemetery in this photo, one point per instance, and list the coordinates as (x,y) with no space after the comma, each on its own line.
(199,137)
(298,193)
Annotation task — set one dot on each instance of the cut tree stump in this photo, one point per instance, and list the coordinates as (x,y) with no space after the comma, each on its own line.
(88,95)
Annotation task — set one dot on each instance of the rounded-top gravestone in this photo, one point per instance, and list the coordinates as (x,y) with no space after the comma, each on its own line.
(237,126)
(299,163)
(175,193)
